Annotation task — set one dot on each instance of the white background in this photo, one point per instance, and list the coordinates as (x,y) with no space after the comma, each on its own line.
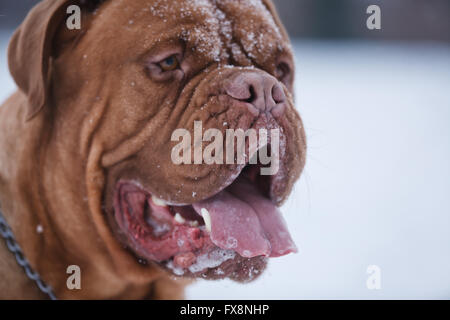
(376,188)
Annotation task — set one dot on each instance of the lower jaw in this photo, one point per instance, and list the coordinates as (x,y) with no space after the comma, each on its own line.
(236,268)
(187,250)
(209,262)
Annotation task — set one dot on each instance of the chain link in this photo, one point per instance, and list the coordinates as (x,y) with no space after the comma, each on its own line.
(14,247)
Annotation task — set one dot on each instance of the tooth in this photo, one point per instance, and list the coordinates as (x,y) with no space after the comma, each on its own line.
(207,217)
(158,202)
(178,218)
(193,224)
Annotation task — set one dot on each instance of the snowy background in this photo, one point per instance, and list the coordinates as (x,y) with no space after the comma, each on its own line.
(376,189)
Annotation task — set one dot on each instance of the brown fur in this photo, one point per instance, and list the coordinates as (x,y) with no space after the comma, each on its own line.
(80,120)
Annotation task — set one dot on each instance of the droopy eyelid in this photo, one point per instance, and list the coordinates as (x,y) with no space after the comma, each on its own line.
(161,56)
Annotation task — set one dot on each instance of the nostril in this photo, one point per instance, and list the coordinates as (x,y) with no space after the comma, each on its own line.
(253,96)
(278,94)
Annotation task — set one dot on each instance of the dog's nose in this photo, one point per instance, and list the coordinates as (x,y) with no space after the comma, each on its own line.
(263,92)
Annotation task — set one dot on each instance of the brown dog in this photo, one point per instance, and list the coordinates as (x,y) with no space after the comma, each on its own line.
(86,174)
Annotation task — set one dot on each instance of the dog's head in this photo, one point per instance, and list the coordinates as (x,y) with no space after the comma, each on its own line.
(144,84)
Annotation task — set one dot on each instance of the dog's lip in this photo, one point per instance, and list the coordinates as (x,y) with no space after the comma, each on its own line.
(231,176)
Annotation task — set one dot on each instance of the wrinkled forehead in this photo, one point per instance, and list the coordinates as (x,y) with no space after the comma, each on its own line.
(213,28)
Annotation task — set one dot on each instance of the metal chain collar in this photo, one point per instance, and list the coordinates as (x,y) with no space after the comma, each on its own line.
(13,246)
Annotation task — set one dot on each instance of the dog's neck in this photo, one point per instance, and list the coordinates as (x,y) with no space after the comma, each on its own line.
(18,203)
(36,201)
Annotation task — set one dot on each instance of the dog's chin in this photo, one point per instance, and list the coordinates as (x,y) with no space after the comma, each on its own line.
(229,235)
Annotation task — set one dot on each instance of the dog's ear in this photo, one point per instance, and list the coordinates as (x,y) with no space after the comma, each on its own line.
(33,46)
(30,50)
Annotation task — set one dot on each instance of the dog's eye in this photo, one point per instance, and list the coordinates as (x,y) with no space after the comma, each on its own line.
(169,64)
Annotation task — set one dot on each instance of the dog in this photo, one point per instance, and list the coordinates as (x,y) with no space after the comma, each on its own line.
(87,177)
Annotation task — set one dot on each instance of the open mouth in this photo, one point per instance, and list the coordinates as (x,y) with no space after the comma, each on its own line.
(236,229)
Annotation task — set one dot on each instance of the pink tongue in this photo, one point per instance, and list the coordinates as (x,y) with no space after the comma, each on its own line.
(246,222)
